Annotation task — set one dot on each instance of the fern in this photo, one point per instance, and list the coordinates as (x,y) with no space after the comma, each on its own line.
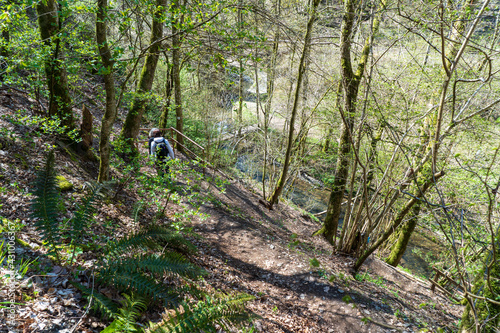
(204,316)
(125,319)
(137,282)
(45,204)
(100,302)
(167,263)
(85,213)
(153,238)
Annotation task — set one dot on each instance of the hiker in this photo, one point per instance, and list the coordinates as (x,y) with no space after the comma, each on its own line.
(161,151)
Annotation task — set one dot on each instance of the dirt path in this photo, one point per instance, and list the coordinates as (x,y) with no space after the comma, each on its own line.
(249,248)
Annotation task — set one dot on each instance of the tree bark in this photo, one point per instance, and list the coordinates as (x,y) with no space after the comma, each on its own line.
(4,52)
(281,182)
(271,76)
(60,104)
(403,236)
(169,85)
(109,86)
(176,72)
(350,84)
(132,124)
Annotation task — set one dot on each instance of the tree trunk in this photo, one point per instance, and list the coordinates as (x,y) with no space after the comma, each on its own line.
(396,221)
(168,95)
(271,75)
(60,104)
(176,72)
(86,130)
(240,73)
(4,52)
(403,236)
(451,51)
(109,86)
(132,124)
(281,182)
(350,84)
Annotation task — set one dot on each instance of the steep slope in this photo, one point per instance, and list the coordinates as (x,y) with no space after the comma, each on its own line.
(298,284)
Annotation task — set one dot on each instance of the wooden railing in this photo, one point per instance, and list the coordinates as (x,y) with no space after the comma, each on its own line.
(455,288)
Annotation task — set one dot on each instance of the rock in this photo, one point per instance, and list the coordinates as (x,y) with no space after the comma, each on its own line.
(341,291)
(63,184)
(326,289)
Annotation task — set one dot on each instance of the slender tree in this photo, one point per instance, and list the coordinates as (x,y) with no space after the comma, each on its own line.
(169,85)
(350,82)
(109,85)
(271,76)
(307,39)
(449,52)
(50,24)
(130,129)
(176,20)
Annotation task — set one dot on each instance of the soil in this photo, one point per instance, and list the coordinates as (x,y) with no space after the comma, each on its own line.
(298,284)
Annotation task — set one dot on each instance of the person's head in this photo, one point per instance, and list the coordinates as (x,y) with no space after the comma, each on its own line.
(155,132)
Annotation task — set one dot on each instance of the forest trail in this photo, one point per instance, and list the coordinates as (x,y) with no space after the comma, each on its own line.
(268,254)
(299,286)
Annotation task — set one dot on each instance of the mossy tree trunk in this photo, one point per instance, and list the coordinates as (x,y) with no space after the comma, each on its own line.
(4,51)
(397,220)
(109,86)
(483,314)
(402,236)
(49,22)
(168,94)
(176,71)
(430,128)
(350,81)
(284,173)
(132,124)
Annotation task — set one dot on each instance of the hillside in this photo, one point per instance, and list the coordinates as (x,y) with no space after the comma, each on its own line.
(297,284)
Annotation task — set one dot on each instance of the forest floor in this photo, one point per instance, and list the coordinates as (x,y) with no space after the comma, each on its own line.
(243,246)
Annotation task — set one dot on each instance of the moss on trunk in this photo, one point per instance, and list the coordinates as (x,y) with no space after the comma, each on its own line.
(486,286)
(60,104)
(132,124)
(109,84)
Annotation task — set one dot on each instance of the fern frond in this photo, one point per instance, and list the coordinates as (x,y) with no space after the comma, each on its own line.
(167,263)
(125,322)
(45,203)
(204,315)
(101,302)
(85,213)
(154,238)
(133,281)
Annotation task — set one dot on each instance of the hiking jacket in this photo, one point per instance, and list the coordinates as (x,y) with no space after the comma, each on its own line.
(152,146)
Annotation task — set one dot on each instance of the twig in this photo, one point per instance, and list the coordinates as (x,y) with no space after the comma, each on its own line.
(88,308)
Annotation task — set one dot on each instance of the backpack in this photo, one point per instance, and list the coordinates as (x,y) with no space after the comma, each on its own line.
(162,150)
